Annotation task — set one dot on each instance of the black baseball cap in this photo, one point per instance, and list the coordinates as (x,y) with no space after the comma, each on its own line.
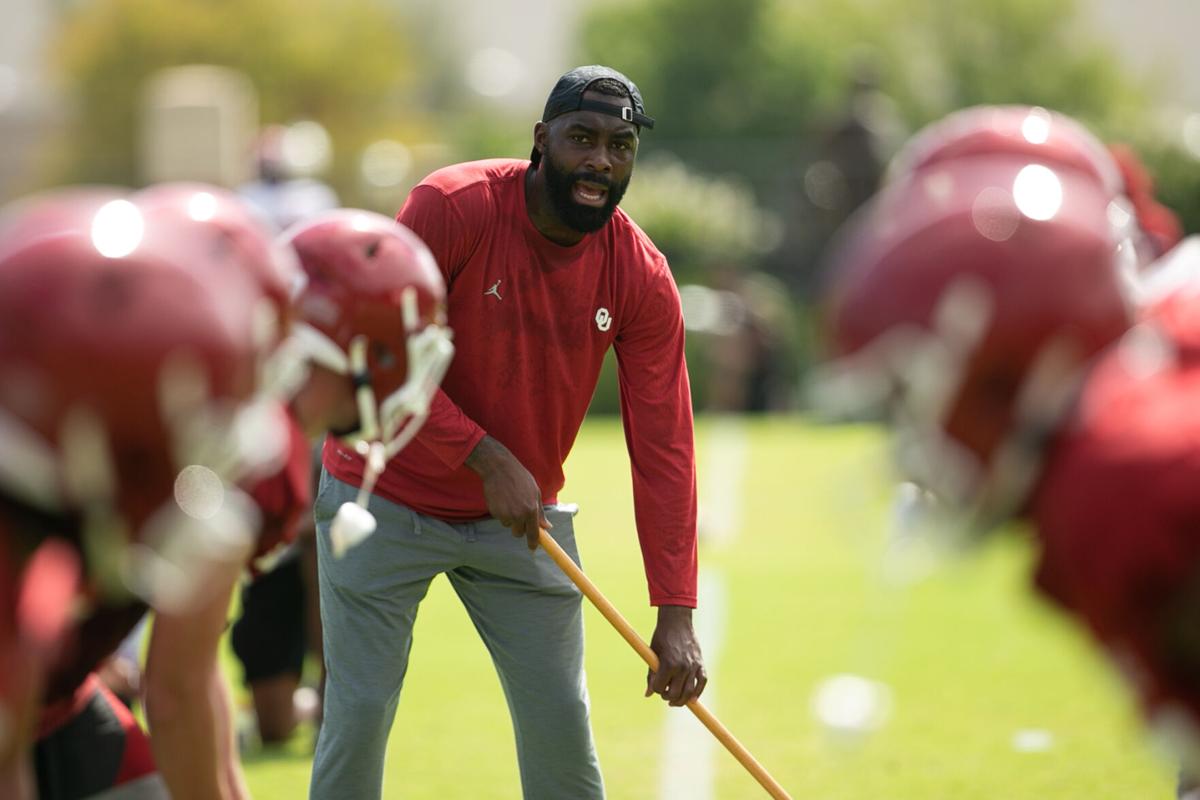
(567,96)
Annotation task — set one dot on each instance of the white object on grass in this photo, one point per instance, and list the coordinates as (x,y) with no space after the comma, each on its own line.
(850,705)
(1032,740)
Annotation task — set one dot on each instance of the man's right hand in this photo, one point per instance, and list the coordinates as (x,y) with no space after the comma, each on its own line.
(512,495)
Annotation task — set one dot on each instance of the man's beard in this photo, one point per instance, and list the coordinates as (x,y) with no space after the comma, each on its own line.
(581,218)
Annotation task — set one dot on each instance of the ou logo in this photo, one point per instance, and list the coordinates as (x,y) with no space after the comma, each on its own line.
(603,319)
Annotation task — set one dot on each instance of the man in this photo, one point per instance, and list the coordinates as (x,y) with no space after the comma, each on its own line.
(978,301)
(545,273)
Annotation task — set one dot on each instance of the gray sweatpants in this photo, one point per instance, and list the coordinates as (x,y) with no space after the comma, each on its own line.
(526,610)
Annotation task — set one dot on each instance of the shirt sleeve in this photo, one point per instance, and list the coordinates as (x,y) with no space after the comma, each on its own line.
(656,410)
(448,432)
(440,222)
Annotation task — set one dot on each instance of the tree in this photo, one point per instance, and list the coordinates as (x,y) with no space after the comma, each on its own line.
(737,82)
(341,62)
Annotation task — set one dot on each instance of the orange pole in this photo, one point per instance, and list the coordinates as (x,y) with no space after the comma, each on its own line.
(630,635)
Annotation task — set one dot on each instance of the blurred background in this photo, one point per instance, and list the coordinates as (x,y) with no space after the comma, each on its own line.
(776,117)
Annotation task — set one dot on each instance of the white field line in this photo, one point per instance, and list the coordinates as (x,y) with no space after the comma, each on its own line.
(721,472)
(688,760)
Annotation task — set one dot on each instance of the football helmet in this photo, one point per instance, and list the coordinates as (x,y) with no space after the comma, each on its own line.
(1039,136)
(965,301)
(251,246)
(1035,134)
(372,308)
(128,378)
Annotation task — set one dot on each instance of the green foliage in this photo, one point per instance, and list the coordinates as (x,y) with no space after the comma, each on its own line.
(341,62)
(1005,51)
(1176,174)
(750,68)
(698,221)
(719,75)
(753,88)
(971,657)
(750,84)
(475,134)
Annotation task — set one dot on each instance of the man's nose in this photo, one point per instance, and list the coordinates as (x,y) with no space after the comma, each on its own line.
(598,160)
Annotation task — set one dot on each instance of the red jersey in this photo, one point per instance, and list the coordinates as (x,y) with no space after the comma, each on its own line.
(1118,509)
(532,322)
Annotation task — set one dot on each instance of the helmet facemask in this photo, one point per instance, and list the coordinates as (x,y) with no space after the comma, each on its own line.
(918,378)
(371,312)
(387,424)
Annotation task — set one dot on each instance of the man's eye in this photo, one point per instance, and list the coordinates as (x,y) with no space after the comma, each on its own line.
(579,138)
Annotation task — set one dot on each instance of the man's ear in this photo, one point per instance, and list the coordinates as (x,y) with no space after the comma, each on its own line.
(541,132)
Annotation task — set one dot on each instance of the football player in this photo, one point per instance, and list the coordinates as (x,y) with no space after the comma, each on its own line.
(365,350)
(380,264)
(977,301)
(128,400)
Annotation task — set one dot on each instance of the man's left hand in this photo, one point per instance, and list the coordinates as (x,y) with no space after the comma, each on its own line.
(680,676)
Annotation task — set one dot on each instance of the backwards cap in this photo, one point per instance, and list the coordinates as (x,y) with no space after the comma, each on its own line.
(567,96)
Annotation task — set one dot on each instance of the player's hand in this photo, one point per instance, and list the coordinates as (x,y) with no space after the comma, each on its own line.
(512,495)
(680,676)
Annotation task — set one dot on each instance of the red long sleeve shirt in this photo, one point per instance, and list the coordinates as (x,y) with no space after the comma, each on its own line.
(532,322)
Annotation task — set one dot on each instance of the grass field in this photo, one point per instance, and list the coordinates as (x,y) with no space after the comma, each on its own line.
(971,656)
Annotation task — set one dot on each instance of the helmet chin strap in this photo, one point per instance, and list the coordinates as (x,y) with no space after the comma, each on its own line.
(354,522)
(364,392)
(405,410)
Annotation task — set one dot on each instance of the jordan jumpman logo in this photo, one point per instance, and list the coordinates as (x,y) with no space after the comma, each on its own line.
(494,290)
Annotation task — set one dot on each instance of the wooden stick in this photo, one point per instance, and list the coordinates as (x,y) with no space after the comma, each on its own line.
(630,635)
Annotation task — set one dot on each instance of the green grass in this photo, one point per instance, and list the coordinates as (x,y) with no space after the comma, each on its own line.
(970,654)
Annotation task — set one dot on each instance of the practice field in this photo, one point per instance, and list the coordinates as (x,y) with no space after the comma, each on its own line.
(993,695)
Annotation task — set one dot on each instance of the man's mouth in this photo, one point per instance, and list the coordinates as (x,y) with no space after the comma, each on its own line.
(587,193)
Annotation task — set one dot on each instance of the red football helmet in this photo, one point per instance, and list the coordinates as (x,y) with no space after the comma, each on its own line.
(251,246)
(966,298)
(1039,136)
(128,355)
(1035,134)
(373,308)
